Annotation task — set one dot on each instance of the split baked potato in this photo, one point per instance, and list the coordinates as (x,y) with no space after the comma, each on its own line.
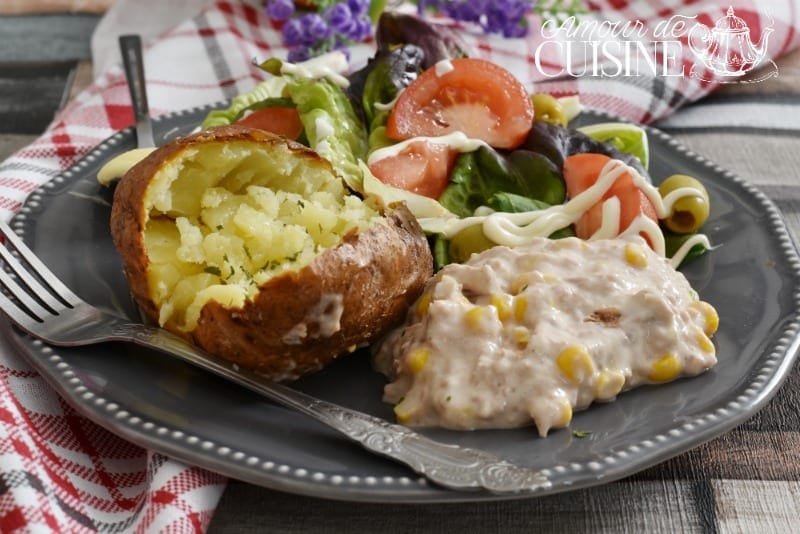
(250,246)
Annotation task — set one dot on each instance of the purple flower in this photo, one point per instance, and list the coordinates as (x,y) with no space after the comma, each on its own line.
(293,33)
(363,29)
(506,17)
(344,22)
(298,54)
(358,7)
(280,9)
(340,17)
(315,26)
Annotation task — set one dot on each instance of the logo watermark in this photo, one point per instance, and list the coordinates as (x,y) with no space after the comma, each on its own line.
(676,47)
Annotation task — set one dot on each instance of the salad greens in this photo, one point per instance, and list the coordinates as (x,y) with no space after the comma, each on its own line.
(332,126)
(269,92)
(387,76)
(345,124)
(437,43)
(487,177)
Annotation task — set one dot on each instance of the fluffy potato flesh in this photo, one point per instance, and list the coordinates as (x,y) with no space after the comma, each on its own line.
(249,246)
(223,218)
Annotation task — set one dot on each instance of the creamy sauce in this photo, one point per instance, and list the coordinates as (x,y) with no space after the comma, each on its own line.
(443,67)
(322,320)
(119,165)
(514,229)
(526,335)
(324,127)
(329,66)
(457,141)
(380,106)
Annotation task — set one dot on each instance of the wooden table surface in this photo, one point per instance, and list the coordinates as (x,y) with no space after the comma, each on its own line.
(747,480)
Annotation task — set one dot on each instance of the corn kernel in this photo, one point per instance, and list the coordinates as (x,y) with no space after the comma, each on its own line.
(609,384)
(566,414)
(704,343)
(403,413)
(665,368)
(417,359)
(423,304)
(520,305)
(473,317)
(500,302)
(710,315)
(635,255)
(521,335)
(575,362)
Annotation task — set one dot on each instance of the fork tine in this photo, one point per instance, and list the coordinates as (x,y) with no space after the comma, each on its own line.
(19,316)
(57,288)
(40,291)
(34,309)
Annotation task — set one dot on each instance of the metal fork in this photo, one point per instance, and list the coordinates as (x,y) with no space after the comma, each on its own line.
(48,310)
(130,47)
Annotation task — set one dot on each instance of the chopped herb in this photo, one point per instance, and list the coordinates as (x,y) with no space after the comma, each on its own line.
(247,253)
(581,433)
(271,264)
(449,397)
(232,271)
(212,270)
(219,227)
(301,204)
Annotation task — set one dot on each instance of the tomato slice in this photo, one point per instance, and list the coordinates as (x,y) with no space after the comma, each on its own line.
(581,171)
(278,120)
(474,96)
(422,168)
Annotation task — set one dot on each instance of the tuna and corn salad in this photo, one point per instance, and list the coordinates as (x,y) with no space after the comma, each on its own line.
(527,335)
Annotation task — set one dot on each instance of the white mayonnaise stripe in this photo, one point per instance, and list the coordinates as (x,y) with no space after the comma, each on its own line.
(609,225)
(680,254)
(513,229)
(329,66)
(647,226)
(517,228)
(456,140)
(380,106)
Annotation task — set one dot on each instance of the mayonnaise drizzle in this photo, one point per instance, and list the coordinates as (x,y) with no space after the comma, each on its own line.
(443,67)
(329,66)
(388,106)
(514,229)
(456,140)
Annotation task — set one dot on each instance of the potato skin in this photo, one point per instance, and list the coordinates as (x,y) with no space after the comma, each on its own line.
(372,277)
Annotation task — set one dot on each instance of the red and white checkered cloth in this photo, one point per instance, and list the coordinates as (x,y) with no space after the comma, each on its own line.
(61,472)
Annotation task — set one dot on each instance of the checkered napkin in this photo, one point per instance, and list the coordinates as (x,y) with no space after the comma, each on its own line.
(61,472)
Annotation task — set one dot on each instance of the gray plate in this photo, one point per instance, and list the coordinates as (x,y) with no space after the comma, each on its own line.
(752,279)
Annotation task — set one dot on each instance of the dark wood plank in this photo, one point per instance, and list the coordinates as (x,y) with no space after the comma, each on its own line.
(31,93)
(51,37)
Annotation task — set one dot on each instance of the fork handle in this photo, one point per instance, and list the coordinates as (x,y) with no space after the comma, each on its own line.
(445,464)
(130,47)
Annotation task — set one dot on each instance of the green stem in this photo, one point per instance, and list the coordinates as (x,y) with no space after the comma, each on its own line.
(376,7)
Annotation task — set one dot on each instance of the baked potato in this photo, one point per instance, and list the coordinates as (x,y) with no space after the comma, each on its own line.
(251,247)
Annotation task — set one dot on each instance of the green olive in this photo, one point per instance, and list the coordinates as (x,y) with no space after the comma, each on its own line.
(546,108)
(467,242)
(690,212)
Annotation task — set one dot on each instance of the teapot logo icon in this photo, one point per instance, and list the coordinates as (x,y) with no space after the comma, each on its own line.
(726,50)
